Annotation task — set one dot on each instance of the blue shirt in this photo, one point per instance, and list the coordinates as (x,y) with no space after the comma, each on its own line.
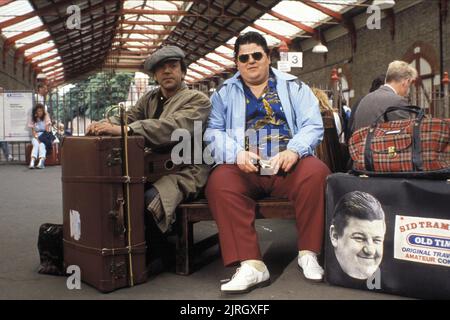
(225,134)
(265,115)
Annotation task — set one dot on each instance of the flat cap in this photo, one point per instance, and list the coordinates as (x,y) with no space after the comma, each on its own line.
(161,55)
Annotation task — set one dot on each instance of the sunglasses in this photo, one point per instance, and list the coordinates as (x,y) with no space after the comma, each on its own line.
(243,58)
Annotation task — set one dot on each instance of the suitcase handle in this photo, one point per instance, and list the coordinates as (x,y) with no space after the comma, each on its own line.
(420,113)
(117,215)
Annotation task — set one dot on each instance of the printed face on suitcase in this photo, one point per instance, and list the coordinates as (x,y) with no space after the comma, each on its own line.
(357,234)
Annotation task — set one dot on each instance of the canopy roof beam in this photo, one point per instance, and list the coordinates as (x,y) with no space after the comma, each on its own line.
(333,14)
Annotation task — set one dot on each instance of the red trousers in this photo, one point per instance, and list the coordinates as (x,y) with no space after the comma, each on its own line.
(231,196)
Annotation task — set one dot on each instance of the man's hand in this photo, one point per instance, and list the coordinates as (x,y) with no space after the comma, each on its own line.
(246,161)
(284,161)
(103,128)
(90,130)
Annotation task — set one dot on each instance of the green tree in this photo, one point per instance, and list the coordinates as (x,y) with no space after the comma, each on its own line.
(92,96)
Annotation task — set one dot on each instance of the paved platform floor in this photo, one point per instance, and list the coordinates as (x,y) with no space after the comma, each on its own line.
(29,198)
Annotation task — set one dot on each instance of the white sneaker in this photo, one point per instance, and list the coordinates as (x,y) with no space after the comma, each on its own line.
(31,166)
(310,266)
(10,158)
(41,163)
(246,279)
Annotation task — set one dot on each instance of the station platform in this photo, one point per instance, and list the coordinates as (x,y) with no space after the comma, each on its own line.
(29,198)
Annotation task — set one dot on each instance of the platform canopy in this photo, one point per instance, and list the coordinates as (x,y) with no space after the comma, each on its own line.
(67,40)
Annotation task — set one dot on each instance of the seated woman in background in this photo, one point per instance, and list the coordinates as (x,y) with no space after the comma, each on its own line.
(325,108)
(40,122)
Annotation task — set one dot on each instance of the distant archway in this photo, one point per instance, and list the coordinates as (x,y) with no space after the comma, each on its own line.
(424,59)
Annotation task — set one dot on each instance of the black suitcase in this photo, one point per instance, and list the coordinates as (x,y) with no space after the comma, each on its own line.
(406,253)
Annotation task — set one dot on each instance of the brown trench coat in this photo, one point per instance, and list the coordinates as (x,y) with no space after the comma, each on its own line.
(180,111)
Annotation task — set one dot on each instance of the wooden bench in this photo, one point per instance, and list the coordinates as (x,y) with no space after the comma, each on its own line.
(190,213)
(329,151)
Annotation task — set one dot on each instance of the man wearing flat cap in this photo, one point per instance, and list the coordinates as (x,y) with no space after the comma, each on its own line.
(155,116)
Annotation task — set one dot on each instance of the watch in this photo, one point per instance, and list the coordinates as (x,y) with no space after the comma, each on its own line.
(129,131)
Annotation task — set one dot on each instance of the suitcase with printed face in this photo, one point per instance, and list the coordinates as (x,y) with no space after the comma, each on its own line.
(94,211)
(405,253)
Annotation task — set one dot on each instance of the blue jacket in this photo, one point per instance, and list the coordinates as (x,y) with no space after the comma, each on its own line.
(226,125)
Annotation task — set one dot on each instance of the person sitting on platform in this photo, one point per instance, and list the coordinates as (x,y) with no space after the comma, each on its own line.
(40,122)
(326,109)
(261,99)
(156,116)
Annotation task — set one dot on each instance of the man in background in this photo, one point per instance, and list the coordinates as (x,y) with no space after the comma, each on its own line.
(393,93)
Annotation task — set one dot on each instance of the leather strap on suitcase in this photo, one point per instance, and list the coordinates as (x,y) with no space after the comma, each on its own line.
(134,249)
(103,179)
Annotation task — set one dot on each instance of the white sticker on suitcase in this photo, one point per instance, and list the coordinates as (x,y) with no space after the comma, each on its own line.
(75,225)
(423,240)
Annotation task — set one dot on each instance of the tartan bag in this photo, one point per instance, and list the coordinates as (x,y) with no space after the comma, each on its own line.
(408,148)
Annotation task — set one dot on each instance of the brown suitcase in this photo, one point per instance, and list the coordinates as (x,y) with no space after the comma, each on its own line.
(52,159)
(94,211)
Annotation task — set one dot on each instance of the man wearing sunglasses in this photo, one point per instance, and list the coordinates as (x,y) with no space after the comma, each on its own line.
(284,114)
